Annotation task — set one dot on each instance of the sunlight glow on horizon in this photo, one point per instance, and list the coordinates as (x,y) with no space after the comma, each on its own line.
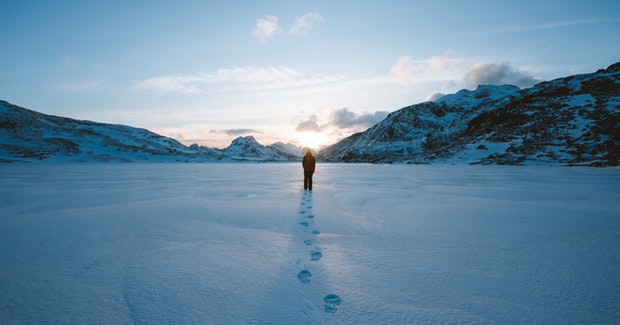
(304,139)
(313,140)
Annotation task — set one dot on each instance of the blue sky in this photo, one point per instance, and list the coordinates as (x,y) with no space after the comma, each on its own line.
(307,72)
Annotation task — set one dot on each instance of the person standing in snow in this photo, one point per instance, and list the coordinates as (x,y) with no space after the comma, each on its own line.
(308,162)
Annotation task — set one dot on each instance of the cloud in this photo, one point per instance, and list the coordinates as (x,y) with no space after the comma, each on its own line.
(497,74)
(541,26)
(266,27)
(344,118)
(186,84)
(253,74)
(439,63)
(311,125)
(402,69)
(408,70)
(304,24)
(237,78)
(341,118)
(240,131)
(192,83)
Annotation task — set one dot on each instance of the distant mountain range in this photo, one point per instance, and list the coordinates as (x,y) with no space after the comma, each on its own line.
(567,121)
(27,135)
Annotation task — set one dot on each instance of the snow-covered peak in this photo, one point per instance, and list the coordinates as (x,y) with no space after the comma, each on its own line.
(244,141)
(248,149)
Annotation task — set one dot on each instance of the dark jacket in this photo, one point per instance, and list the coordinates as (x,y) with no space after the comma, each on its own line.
(308,162)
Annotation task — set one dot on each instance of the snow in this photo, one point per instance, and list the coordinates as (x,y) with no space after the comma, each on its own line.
(244,244)
(471,98)
(478,151)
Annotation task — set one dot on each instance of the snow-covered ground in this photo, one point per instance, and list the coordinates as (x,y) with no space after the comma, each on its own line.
(244,244)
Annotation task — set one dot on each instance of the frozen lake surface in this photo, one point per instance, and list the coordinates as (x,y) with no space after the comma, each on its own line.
(244,244)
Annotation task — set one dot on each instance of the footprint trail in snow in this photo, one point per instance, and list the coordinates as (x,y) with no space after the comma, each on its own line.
(330,301)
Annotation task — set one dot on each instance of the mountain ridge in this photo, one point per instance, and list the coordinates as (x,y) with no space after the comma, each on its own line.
(573,120)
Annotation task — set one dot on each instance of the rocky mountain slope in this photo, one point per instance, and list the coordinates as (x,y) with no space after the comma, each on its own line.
(568,121)
(26,135)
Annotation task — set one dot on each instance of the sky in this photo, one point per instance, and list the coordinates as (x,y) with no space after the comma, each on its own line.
(304,72)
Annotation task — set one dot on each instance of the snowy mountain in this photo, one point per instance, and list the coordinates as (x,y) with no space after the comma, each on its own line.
(26,135)
(568,121)
(248,149)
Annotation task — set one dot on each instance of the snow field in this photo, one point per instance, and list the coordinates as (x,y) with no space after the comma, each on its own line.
(243,243)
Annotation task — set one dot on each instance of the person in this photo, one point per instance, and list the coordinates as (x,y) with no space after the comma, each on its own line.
(309,163)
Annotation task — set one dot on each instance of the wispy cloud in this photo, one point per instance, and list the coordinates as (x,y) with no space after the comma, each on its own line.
(237,78)
(304,24)
(266,27)
(403,69)
(541,26)
(407,70)
(254,74)
(186,84)
(234,132)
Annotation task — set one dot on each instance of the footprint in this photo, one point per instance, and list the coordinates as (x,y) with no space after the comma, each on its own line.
(308,242)
(310,216)
(305,224)
(304,277)
(316,232)
(302,212)
(315,255)
(332,302)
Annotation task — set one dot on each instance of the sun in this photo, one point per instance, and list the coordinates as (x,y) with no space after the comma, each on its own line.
(312,140)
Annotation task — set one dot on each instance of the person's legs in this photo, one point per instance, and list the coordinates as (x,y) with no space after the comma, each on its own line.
(310,180)
(305,180)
